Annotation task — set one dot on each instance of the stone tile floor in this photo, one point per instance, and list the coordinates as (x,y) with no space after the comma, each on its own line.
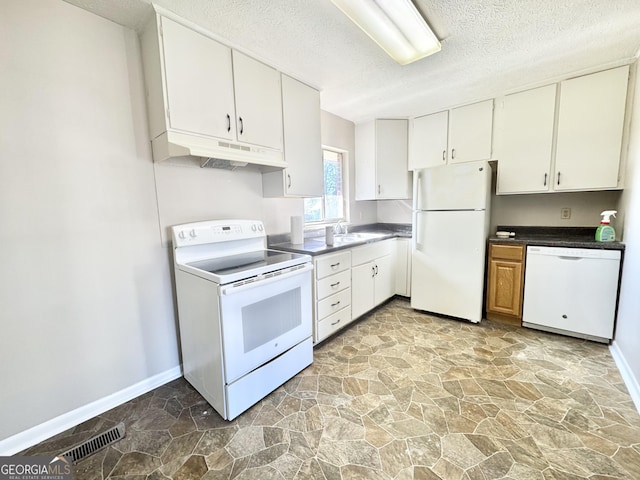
(398,395)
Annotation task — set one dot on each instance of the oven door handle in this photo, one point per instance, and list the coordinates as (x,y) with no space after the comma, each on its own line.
(231,289)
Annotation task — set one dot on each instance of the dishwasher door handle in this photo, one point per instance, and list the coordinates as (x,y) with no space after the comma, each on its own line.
(563,257)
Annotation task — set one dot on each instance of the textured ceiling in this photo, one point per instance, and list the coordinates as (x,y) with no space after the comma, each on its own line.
(489,47)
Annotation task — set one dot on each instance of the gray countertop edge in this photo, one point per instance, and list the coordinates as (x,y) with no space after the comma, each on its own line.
(316,246)
(558,242)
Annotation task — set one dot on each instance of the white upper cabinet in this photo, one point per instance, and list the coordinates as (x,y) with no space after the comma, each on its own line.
(526,143)
(258,97)
(470,132)
(462,134)
(202,94)
(590,127)
(585,122)
(381,160)
(199,86)
(304,175)
(429,140)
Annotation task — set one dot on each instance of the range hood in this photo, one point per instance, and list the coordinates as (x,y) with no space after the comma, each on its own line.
(172,144)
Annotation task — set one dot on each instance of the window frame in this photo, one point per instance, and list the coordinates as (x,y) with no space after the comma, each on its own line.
(345,183)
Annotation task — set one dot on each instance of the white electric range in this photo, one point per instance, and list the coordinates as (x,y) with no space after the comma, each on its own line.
(244,312)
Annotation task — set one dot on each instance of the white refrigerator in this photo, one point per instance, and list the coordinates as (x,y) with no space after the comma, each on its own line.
(450,230)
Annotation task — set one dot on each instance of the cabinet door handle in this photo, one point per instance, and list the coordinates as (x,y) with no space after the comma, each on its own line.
(378,189)
(376,269)
(289,180)
(334,285)
(336,322)
(335,265)
(228,123)
(444,155)
(373,271)
(558,178)
(335,304)
(453,153)
(545,179)
(241,125)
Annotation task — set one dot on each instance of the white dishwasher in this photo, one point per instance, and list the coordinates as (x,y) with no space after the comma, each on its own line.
(572,291)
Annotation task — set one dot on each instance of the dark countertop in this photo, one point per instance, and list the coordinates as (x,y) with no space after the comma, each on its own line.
(572,237)
(316,245)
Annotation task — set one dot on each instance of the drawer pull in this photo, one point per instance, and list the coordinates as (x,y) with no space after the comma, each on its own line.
(335,304)
(334,285)
(335,265)
(336,322)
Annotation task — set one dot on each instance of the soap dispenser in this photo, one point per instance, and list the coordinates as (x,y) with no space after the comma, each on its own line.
(605,232)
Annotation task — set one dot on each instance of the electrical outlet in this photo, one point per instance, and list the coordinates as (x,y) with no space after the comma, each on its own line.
(565,213)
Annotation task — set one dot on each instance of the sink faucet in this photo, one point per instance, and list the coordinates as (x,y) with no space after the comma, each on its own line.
(339,227)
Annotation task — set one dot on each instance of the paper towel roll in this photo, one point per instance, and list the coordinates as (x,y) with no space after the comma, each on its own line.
(328,235)
(297,230)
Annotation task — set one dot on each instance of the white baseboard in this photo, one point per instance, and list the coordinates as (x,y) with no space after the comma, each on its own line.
(35,435)
(630,381)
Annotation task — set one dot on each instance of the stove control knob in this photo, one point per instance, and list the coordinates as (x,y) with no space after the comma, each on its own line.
(253,227)
(260,227)
(182,234)
(192,234)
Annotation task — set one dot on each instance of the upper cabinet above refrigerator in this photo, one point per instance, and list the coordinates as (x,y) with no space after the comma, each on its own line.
(462,134)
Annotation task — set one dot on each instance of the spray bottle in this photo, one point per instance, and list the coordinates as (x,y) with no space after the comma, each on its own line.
(605,232)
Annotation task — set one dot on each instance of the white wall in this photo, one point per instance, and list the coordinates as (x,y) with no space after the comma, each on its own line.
(340,133)
(188,193)
(627,341)
(544,209)
(85,286)
(395,211)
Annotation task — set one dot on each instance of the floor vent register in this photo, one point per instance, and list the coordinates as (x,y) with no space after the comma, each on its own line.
(94,444)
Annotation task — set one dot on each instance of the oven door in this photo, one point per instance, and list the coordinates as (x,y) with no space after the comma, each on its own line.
(262,319)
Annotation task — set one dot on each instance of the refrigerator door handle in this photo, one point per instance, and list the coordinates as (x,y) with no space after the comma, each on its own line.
(416,231)
(417,177)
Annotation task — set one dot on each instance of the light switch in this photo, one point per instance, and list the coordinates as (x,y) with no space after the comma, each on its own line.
(565,213)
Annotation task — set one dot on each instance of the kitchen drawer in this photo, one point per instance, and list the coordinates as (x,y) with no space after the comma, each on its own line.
(371,251)
(333,323)
(507,252)
(334,263)
(334,303)
(333,284)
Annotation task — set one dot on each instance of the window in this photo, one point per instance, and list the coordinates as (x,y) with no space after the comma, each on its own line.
(330,207)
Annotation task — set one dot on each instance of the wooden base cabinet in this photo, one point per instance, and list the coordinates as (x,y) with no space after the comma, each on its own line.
(505,283)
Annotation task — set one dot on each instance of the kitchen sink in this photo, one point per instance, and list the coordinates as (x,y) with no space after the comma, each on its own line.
(357,237)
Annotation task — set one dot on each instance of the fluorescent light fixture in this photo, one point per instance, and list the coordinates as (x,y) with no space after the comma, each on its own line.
(395,25)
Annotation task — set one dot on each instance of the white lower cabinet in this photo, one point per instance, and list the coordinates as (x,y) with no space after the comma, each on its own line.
(372,276)
(349,283)
(331,293)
